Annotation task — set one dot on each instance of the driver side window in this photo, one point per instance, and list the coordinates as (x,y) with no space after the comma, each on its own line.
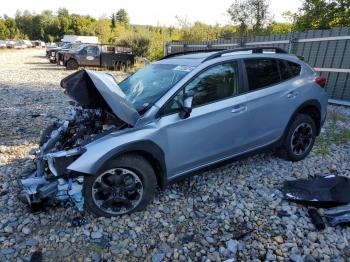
(216,83)
(91,50)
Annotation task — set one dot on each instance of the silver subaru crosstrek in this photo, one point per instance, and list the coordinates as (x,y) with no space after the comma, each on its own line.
(176,116)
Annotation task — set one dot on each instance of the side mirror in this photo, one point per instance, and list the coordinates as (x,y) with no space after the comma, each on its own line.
(186,108)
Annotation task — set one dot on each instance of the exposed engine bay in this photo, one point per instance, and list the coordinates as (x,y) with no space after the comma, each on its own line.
(59,148)
(63,142)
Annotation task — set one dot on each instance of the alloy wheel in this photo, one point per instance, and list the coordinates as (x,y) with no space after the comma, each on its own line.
(301,139)
(117,191)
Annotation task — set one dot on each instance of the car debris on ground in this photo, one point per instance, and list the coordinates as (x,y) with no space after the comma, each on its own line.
(330,192)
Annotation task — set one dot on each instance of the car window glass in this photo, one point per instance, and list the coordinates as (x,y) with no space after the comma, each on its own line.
(261,73)
(284,70)
(91,50)
(295,68)
(216,83)
(150,83)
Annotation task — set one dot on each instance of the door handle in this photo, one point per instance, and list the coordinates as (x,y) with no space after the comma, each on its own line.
(240,109)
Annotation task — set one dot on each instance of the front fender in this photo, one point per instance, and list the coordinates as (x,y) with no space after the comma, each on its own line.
(99,152)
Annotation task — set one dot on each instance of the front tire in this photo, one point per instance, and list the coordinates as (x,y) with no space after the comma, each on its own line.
(300,138)
(126,185)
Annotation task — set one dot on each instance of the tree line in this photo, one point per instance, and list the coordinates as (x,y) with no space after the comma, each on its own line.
(249,18)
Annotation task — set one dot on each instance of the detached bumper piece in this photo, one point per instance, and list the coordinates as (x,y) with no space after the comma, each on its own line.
(331,192)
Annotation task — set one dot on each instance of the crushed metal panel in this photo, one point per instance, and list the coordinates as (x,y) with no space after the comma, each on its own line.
(99,90)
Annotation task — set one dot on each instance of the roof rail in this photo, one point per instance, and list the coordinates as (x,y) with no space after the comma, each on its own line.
(255,50)
(191,52)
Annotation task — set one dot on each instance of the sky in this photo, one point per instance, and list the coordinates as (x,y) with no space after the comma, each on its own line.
(150,12)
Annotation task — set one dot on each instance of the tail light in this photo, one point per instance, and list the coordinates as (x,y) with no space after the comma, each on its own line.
(321,81)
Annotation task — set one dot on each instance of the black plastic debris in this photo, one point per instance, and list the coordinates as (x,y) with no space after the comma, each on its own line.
(338,215)
(323,192)
(341,220)
(316,219)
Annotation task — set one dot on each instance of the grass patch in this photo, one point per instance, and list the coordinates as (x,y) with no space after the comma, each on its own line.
(332,135)
(96,249)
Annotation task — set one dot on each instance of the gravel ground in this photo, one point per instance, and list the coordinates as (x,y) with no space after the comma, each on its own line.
(232,213)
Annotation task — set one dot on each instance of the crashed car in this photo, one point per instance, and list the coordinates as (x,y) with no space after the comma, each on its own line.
(172,118)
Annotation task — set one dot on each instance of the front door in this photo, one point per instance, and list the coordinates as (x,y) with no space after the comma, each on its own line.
(216,126)
(91,56)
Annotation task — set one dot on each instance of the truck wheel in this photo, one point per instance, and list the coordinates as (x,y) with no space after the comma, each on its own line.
(126,185)
(72,65)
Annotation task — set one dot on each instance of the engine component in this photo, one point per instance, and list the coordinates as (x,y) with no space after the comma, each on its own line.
(51,182)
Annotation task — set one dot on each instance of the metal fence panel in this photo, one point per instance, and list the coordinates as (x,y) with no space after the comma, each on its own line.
(328,51)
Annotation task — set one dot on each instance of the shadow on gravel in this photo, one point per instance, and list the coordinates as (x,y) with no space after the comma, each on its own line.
(48,68)
(36,63)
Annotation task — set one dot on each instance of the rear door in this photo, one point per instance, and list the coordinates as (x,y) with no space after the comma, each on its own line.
(272,97)
(90,56)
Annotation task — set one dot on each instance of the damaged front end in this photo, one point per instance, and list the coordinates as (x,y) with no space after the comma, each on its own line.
(63,142)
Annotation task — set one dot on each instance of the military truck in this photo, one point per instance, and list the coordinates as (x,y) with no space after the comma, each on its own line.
(98,55)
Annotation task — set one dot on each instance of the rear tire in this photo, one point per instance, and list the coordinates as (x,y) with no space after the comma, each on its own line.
(300,138)
(125,185)
(72,65)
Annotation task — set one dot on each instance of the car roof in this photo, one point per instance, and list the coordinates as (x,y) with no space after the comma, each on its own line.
(195,59)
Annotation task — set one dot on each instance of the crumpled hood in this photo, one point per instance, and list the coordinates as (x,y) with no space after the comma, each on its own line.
(99,90)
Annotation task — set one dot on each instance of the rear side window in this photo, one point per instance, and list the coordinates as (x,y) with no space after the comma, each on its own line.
(261,73)
(294,68)
(284,69)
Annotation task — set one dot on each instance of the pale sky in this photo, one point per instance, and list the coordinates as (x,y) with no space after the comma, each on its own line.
(150,12)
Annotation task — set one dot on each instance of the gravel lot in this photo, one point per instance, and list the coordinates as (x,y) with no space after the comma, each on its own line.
(233,213)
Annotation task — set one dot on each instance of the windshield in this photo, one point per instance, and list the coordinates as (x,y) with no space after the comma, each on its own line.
(75,46)
(66,45)
(149,84)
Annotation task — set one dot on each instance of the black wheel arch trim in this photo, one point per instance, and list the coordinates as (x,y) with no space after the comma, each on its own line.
(145,148)
(312,102)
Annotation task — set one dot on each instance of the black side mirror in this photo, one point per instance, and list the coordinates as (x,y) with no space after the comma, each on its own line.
(186,108)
